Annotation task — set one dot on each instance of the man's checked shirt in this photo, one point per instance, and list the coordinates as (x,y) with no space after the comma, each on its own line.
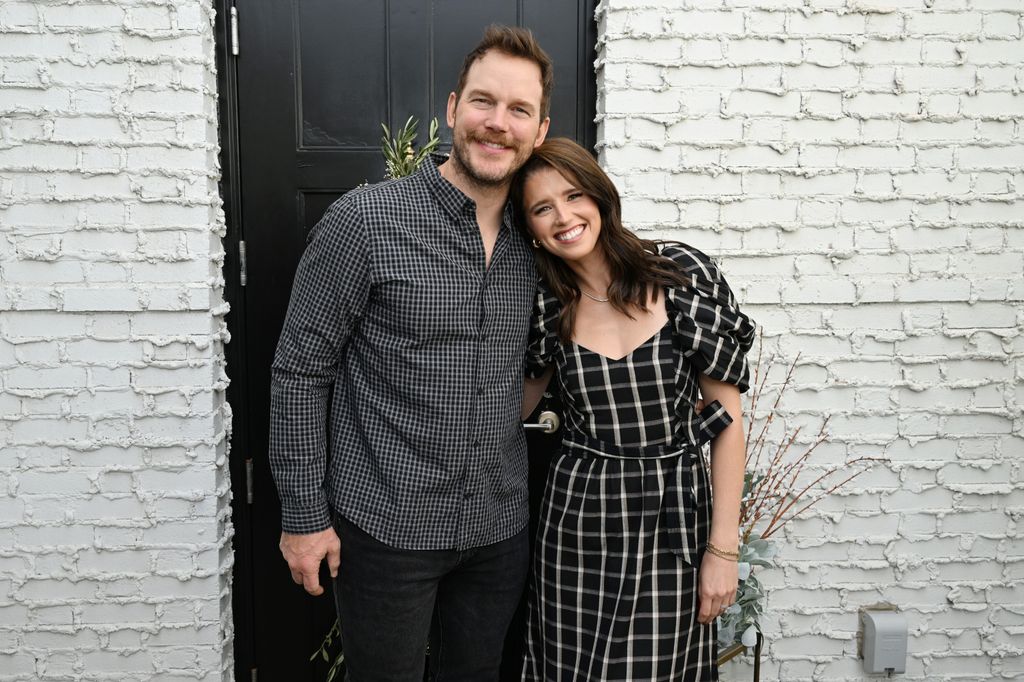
(397,382)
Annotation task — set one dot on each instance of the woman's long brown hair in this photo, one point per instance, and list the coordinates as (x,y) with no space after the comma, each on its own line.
(635,263)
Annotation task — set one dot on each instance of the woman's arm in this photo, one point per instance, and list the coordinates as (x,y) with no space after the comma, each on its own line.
(533,390)
(718,576)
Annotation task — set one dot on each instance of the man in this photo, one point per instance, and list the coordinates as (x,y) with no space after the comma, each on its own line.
(400,363)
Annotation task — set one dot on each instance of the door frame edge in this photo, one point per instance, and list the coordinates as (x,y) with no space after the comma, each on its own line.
(242,603)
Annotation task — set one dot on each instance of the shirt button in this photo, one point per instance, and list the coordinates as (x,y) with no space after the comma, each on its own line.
(480,391)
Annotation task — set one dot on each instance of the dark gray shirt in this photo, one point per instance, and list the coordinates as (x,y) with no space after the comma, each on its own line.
(397,382)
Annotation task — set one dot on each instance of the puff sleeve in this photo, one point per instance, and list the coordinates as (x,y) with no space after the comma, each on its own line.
(714,335)
(542,341)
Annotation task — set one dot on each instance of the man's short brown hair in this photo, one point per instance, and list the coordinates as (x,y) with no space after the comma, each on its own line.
(514,41)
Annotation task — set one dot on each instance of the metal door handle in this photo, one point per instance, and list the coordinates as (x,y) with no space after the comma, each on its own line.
(547,422)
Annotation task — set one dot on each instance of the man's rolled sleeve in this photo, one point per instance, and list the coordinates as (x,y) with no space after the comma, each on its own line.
(328,298)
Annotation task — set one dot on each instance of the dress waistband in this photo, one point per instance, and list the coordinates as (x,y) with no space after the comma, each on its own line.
(583,445)
(678,502)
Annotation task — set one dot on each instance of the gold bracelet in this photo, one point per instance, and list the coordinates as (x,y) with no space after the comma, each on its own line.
(722,553)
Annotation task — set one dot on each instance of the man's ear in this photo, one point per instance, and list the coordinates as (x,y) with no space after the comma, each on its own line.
(453,100)
(542,132)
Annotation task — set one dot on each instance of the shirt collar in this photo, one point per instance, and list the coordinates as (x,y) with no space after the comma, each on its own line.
(447,195)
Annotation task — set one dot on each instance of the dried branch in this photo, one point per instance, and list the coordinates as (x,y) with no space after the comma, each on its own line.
(776,524)
(772,491)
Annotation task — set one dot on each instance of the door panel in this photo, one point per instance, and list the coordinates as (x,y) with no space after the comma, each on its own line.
(312,205)
(315,78)
(341,95)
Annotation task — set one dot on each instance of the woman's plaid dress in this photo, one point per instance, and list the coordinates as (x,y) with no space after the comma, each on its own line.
(626,510)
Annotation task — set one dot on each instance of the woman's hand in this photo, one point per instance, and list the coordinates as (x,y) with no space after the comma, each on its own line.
(717,581)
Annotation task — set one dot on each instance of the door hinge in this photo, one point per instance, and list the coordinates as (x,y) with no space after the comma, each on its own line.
(243,270)
(248,488)
(234,31)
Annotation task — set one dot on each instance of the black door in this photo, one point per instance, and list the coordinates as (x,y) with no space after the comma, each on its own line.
(301,111)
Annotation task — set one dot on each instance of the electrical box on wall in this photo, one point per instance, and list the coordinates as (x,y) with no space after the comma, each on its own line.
(885,641)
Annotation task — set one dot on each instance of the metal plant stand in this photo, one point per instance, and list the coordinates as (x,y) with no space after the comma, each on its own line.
(735,650)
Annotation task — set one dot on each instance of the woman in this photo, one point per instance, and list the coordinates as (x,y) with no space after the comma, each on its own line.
(633,561)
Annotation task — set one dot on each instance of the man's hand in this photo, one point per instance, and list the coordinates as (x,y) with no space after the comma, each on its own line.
(304,554)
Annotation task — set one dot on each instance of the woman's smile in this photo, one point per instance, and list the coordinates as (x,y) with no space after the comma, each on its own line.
(572,234)
(565,220)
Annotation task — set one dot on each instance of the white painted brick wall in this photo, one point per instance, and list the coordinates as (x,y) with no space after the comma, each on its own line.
(858,166)
(114,518)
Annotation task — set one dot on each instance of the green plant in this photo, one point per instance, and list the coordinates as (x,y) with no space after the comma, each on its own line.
(399,155)
(326,652)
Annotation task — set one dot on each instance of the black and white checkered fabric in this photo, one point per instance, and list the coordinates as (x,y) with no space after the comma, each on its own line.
(395,317)
(626,511)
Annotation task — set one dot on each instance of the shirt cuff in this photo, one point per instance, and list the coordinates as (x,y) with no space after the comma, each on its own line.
(305,520)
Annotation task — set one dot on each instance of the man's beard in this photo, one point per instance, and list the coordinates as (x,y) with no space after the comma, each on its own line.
(460,153)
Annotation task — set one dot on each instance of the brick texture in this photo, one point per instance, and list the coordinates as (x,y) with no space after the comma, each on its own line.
(114,500)
(857,166)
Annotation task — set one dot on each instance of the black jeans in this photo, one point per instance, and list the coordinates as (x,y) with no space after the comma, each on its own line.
(389,600)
